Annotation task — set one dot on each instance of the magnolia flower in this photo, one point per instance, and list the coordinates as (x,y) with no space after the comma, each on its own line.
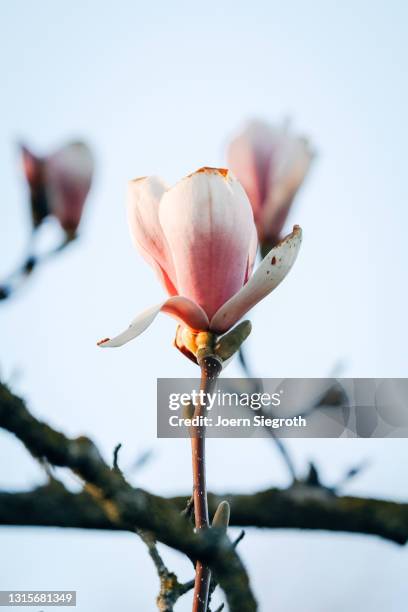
(200,238)
(59,184)
(271,164)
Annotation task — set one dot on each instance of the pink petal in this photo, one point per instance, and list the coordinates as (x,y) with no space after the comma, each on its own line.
(292,161)
(182,309)
(208,223)
(271,163)
(267,277)
(249,157)
(144,195)
(33,167)
(68,176)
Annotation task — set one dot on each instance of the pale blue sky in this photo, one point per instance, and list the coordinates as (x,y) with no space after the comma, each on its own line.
(159,88)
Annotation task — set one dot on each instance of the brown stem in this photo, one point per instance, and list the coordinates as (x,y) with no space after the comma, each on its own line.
(210,369)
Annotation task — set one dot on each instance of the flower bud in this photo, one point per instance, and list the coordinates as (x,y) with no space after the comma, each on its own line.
(222,516)
(230,343)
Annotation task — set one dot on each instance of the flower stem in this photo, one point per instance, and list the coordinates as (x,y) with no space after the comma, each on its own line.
(210,369)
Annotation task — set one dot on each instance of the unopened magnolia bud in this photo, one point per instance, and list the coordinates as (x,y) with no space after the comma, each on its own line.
(222,516)
(230,342)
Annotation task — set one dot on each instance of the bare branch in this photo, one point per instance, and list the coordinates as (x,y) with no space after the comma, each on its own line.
(170,588)
(108,502)
(240,537)
(258,387)
(124,506)
(116,457)
(299,507)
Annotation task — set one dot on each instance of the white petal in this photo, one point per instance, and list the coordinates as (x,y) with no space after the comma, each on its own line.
(181,308)
(74,160)
(267,277)
(253,249)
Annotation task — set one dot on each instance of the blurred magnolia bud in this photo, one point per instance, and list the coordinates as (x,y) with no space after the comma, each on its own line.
(33,168)
(271,164)
(229,344)
(222,516)
(59,184)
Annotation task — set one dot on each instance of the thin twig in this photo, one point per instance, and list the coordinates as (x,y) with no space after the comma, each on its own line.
(278,442)
(170,588)
(239,538)
(188,511)
(210,369)
(16,279)
(116,457)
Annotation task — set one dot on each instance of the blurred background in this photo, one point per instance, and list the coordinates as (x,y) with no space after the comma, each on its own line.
(160,88)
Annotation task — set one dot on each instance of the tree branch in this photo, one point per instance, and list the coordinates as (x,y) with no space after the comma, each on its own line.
(124,506)
(306,507)
(108,502)
(299,507)
(170,588)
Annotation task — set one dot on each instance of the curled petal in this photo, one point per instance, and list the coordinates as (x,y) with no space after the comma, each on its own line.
(267,277)
(143,200)
(181,308)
